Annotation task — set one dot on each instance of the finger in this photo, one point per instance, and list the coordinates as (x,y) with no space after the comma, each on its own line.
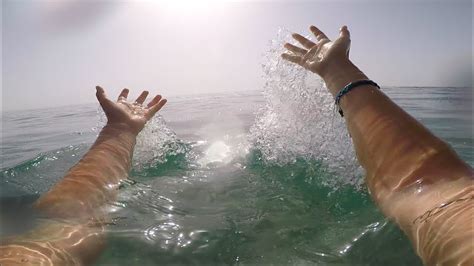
(344,32)
(310,53)
(142,97)
(123,94)
(155,108)
(318,33)
(292,58)
(154,101)
(295,49)
(102,98)
(305,42)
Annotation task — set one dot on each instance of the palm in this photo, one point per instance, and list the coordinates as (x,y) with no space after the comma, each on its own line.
(131,113)
(134,115)
(317,56)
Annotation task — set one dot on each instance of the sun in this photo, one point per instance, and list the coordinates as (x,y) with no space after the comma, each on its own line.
(186,7)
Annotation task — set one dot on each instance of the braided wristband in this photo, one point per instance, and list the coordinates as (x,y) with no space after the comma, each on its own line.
(350,87)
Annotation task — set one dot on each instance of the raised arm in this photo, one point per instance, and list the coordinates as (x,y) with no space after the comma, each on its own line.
(94,180)
(414,177)
(75,207)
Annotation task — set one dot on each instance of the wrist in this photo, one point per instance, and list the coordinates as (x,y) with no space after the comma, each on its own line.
(337,76)
(121,127)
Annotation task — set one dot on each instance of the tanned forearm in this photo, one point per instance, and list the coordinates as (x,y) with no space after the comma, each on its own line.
(75,208)
(94,180)
(414,177)
(410,172)
(391,145)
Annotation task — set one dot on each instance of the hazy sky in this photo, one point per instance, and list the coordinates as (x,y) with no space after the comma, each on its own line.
(55,52)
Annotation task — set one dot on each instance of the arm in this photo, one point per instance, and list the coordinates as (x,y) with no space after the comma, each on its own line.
(94,180)
(409,170)
(75,206)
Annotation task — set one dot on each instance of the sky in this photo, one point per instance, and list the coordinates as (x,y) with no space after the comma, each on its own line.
(54,53)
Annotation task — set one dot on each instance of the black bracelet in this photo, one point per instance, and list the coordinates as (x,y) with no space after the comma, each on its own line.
(348,88)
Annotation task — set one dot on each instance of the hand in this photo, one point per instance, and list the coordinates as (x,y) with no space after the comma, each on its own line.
(324,55)
(132,116)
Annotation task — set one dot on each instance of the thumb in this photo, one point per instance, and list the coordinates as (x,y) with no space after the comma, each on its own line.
(345,38)
(100,94)
(344,32)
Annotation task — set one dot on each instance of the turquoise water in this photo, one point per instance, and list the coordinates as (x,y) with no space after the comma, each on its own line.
(255,177)
(208,191)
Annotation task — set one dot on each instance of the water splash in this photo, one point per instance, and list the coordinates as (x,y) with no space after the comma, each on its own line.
(299,119)
(154,144)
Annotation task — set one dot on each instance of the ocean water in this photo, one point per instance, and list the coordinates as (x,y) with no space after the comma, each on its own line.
(204,193)
(254,177)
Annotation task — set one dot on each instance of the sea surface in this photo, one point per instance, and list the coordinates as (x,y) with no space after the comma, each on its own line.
(204,192)
(265,177)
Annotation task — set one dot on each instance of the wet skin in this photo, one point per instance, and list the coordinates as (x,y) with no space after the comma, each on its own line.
(414,177)
(75,208)
(410,172)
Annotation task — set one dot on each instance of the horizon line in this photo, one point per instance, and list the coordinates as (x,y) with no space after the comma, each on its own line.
(211,93)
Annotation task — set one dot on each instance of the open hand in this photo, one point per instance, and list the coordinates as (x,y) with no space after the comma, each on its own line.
(321,56)
(132,116)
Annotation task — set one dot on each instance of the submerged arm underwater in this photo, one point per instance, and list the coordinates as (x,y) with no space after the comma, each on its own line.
(75,208)
(415,178)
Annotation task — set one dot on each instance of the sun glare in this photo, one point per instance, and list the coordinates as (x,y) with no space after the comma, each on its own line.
(187,7)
